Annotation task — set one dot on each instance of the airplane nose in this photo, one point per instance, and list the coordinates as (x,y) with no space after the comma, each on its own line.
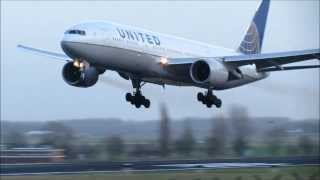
(68,48)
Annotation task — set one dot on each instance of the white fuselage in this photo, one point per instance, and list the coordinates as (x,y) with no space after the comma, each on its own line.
(137,52)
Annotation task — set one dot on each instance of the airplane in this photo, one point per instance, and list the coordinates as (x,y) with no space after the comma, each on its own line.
(143,56)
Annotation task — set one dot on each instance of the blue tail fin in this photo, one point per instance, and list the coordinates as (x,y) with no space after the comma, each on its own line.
(253,40)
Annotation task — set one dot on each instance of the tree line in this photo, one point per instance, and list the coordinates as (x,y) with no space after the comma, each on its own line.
(226,139)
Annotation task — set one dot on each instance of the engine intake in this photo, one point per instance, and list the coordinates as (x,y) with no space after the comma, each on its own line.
(212,72)
(74,76)
(200,71)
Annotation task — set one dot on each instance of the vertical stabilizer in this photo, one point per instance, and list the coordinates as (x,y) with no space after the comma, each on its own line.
(253,40)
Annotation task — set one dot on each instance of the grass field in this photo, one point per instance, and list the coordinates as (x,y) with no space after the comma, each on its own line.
(286,173)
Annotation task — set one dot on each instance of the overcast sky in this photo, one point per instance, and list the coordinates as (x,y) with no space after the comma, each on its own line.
(32,87)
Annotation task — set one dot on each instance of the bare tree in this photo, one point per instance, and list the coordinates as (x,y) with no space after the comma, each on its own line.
(216,142)
(241,129)
(305,144)
(16,139)
(275,141)
(164,139)
(185,144)
(115,147)
(145,150)
(87,150)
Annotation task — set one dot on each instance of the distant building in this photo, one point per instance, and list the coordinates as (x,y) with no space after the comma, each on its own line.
(31,155)
(295,131)
(35,137)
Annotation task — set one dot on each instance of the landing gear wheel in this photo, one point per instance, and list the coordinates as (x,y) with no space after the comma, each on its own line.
(129,97)
(200,96)
(146,103)
(143,99)
(218,103)
(137,104)
(209,99)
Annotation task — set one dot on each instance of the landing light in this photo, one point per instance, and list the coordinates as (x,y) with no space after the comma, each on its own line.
(81,65)
(163,60)
(76,63)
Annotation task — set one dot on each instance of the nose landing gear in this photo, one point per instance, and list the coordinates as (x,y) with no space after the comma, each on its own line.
(209,99)
(137,98)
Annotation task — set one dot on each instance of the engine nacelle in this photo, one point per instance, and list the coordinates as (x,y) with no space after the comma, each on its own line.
(79,78)
(212,72)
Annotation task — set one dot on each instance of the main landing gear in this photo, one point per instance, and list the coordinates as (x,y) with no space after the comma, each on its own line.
(136,98)
(209,99)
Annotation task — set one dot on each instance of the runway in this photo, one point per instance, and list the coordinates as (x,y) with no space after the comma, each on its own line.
(176,165)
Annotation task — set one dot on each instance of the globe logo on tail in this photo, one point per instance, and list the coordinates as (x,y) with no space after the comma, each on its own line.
(251,42)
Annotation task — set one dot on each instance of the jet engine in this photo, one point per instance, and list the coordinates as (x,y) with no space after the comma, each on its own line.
(211,72)
(75,76)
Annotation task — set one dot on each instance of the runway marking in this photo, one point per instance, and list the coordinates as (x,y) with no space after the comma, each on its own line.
(177,167)
(225,165)
(28,164)
(89,172)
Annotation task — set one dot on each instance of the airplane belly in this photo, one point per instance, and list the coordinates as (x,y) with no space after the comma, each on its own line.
(113,58)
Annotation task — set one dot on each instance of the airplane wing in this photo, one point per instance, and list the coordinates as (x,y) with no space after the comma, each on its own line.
(273,59)
(45,53)
(263,62)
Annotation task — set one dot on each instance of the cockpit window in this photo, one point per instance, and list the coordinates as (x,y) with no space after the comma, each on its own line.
(75,31)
